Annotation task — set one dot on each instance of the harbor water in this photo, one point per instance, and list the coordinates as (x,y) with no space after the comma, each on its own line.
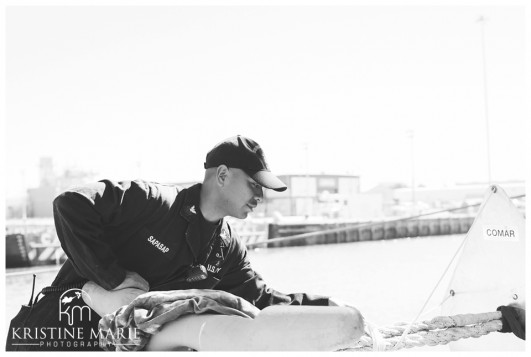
(387,280)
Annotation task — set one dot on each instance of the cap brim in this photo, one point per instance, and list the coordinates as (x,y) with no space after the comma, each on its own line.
(268,180)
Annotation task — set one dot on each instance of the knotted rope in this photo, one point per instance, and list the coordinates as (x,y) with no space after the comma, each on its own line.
(438,331)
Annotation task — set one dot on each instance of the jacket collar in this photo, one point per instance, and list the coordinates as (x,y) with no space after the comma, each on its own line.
(190,212)
(191,203)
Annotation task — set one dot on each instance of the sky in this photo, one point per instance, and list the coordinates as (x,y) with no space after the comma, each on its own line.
(146,92)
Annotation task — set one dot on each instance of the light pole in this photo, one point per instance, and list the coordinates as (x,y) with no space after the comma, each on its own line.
(307,178)
(411,135)
(482,21)
(25,203)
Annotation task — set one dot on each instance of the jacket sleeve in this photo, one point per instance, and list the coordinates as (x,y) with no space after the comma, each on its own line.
(243,281)
(82,214)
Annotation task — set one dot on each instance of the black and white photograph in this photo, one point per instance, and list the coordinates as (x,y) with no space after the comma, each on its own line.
(265,175)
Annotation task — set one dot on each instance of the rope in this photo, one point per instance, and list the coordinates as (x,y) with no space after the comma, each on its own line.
(406,331)
(438,331)
(440,322)
(376,340)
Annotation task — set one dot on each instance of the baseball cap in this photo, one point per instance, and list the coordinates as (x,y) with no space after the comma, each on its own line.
(245,154)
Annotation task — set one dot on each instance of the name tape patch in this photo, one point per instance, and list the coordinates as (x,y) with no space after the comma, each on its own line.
(501,233)
(158,244)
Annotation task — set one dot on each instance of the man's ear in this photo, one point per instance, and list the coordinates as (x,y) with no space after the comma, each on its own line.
(222,173)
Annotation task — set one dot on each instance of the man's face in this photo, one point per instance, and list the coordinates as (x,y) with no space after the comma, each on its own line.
(241,194)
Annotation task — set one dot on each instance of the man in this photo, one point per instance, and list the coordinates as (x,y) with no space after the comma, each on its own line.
(136,234)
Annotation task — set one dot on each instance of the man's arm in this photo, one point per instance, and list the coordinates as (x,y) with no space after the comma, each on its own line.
(81,215)
(104,301)
(243,281)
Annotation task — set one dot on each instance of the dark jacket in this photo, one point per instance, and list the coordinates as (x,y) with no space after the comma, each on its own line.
(154,229)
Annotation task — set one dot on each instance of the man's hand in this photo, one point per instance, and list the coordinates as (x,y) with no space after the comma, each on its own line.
(520,311)
(133,280)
